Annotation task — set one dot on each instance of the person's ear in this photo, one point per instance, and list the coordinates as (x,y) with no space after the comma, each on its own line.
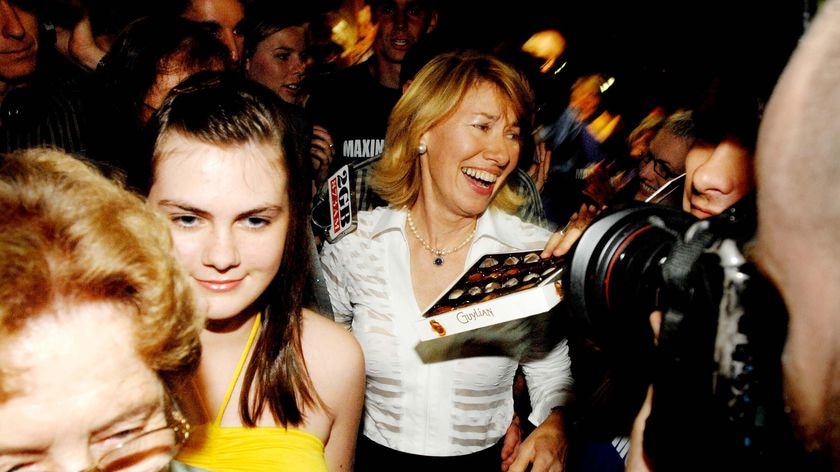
(406,84)
(423,145)
(432,22)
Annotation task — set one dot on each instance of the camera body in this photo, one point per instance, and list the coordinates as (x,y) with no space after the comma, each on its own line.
(715,365)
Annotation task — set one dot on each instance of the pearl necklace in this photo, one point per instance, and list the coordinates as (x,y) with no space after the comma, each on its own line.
(439,253)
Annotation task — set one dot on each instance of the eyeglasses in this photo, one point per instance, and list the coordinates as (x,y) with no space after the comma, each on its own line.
(142,451)
(149,451)
(661,167)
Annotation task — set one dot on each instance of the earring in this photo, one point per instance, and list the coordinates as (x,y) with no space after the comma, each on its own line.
(421,148)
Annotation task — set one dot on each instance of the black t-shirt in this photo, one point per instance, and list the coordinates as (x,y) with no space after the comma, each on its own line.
(354,107)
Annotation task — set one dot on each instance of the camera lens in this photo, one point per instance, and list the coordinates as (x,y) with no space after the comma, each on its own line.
(615,269)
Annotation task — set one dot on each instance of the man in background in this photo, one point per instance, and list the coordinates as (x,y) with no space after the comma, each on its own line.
(353,104)
(39,96)
(223,18)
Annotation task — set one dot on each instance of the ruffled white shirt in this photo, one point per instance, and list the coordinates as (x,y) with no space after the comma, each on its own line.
(463,403)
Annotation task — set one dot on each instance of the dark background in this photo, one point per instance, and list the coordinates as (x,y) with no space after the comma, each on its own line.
(660,52)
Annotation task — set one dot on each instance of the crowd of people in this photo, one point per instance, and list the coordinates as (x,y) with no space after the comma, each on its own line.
(168,303)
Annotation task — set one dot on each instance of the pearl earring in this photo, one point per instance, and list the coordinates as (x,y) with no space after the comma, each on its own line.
(421,148)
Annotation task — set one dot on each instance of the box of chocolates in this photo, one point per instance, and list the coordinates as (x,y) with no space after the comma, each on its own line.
(497,288)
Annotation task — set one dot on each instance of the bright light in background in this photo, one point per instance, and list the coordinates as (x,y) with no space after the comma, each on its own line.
(343,34)
(607,84)
(547,45)
(354,32)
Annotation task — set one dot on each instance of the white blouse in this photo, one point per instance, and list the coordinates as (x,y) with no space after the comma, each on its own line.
(459,405)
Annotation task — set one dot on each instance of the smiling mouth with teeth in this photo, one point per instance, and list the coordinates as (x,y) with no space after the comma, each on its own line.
(484,178)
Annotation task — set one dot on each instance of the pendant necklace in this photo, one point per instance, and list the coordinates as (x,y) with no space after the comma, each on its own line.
(439,253)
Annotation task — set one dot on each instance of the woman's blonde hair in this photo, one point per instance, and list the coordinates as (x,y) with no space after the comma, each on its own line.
(70,235)
(432,97)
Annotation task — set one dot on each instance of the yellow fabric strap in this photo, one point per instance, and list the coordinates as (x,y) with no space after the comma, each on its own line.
(251,337)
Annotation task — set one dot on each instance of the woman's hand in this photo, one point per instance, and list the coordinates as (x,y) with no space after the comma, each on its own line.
(637,461)
(322,152)
(512,440)
(79,45)
(561,241)
(539,169)
(545,448)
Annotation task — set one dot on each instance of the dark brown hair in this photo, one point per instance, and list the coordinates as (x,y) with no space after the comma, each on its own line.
(225,109)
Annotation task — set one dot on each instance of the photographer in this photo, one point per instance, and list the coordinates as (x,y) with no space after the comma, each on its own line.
(719,164)
(719,175)
(620,283)
(798,170)
(794,246)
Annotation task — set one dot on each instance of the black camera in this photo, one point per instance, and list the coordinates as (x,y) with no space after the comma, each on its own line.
(715,365)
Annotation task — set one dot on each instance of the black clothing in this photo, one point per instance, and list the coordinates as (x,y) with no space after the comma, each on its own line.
(354,108)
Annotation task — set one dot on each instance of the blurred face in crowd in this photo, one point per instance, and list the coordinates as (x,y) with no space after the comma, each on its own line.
(171,72)
(585,97)
(18,42)
(224,18)
(472,152)
(664,161)
(78,390)
(231,246)
(716,177)
(280,62)
(401,24)
(640,145)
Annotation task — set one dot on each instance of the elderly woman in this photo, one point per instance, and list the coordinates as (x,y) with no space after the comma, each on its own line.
(97,322)
(453,139)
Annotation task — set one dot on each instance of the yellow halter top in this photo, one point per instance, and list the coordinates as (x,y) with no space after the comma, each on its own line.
(240,449)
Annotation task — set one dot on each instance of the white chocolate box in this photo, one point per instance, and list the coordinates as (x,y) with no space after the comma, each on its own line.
(497,288)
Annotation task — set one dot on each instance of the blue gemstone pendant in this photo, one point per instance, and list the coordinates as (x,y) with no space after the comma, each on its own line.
(438,261)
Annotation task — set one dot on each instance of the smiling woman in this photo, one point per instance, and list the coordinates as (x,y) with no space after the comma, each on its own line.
(453,140)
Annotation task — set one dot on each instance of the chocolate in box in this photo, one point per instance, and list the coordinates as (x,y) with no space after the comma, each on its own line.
(497,288)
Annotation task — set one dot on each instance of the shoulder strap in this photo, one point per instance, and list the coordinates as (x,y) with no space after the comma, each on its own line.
(238,371)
